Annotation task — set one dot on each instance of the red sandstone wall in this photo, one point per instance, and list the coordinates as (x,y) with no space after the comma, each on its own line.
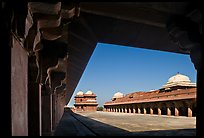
(19,90)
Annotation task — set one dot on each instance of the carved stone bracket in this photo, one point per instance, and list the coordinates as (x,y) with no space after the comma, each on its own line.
(58,81)
(52,56)
(56,75)
(47,21)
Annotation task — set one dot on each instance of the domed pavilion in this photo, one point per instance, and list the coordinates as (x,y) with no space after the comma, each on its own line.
(175,98)
(85,101)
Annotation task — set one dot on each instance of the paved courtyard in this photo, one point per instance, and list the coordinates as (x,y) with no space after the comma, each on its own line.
(126,124)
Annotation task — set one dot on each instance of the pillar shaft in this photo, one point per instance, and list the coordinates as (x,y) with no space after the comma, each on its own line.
(189,112)
(176,111)
(151,111)
(46,115)
(168,111)
(145,111)
(159,111)
(139,111)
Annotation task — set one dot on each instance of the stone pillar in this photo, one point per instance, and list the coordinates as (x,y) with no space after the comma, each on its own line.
(126,109)
(145,111)
(151,111)
(34,100)
(19,89)
(159,111)
(46,114)
(129,110)
(134,110)
(168,111)
(54,120)
(200,97)
(34,110)
(189,112)
(139,111)
(176,111)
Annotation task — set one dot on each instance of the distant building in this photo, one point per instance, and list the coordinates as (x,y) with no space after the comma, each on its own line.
(85,101)
(177,97)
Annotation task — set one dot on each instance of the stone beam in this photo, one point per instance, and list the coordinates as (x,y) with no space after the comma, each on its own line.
(149,13)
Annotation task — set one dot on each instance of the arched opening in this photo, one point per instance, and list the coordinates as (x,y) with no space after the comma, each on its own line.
(155,110)
(163,109)
(148,110)
(194,109)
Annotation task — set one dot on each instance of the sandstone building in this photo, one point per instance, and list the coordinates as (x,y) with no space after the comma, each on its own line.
(177,97)
(85,101)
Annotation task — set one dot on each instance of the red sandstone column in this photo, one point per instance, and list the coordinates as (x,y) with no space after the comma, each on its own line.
(134,110)
(168,111)
(159,111)
(145,111)
(46,101)
(176,112)
(151,111)
(189,112)
(139,111)
(129,110)
(125,109)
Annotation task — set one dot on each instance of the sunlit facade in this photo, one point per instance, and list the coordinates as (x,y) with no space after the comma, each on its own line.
(176,98)
(85,101)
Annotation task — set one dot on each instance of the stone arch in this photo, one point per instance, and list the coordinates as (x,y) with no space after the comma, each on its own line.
(183,108)
(163,107)
(155,108)
(131,108)
(194,108)
(147,107)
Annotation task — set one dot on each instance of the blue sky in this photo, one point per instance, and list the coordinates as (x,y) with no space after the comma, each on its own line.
(114,68)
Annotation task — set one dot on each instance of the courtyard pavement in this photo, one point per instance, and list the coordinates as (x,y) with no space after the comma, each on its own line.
(124,124)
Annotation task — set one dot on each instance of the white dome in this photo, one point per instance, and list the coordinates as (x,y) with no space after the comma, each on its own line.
(118,95)
(89,92)
(178,78)
(80,93)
